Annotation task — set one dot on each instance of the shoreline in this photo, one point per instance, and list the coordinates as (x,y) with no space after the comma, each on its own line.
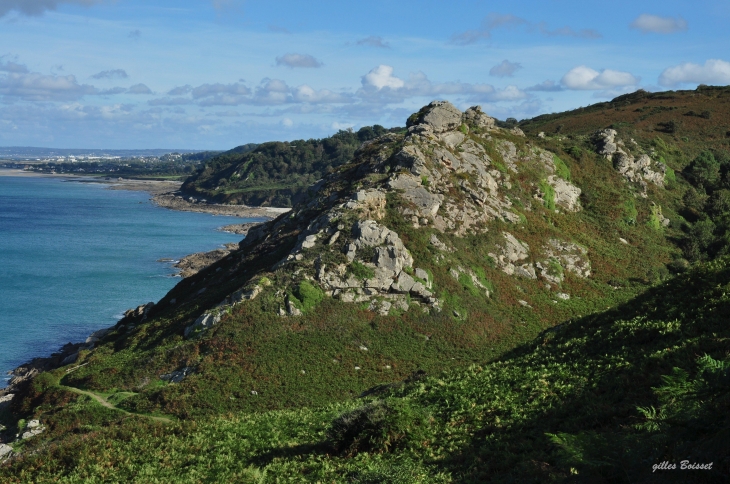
(164,194)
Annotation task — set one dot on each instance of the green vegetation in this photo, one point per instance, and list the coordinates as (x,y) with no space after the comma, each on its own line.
(600,398)
(548,194)
(307,296)
(275,173)
(561,168)
(361,271)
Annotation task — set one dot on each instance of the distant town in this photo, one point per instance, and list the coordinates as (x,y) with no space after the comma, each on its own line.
(165,164)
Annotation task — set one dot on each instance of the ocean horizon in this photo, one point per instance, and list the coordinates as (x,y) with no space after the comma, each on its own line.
(74,256)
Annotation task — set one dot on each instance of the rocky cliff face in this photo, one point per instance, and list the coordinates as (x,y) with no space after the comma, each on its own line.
(451,173)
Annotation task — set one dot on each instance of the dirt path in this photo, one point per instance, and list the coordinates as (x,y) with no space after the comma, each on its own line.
(107,404)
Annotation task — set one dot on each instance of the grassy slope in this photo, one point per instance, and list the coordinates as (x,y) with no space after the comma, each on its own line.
(600,399)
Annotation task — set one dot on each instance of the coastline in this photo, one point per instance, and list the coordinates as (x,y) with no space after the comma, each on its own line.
(165,195)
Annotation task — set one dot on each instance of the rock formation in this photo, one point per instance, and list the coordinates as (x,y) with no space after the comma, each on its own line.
(637,170)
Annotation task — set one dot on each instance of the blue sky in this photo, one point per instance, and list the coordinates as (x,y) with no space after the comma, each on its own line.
(214,74)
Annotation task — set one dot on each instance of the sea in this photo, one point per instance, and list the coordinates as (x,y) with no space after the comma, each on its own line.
(74,256)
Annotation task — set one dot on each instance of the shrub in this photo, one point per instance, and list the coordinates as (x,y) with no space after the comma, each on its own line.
(308,295)
(548,194)
(378,427)
(704,170)
(561,169)
(360,270)
(630,212)
(574,151)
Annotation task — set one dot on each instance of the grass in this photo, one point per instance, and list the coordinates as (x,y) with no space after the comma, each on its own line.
(601,398)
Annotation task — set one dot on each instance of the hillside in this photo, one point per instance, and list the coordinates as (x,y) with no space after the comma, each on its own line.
(602,398)
(275,173)
(431,249)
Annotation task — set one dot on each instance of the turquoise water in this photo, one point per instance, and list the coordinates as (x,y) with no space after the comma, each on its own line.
(74,256)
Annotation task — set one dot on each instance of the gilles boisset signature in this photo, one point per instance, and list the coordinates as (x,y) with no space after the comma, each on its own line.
(684,465)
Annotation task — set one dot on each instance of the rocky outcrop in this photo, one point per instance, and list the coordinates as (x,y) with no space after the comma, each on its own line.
(193,263)
(567,195)
(510,256)
(369,203)
(437,117)
(138,314)
(240,229)
(204,322)
(562,256)
(635,169)
(178,375)
(474,117)
(5,452)
(32,429)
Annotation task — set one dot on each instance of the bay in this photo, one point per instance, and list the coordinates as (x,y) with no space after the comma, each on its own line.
(74,256)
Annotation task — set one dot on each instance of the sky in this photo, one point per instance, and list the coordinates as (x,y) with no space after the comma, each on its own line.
(215,74)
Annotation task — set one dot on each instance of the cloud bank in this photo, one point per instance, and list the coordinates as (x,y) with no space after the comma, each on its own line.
(714,71)
(583,78)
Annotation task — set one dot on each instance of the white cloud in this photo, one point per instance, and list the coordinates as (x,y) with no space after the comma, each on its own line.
(382,87)
(37,7)
(270,92)
(218,94)
(374,41)
(585,78)
(111,74)
(298,60)
(381,77)
(505,69)
(139,89)
(39,87)
(509,93)
(659,25)
(306,94)
(180,90)
(714,71)
(546,86)
(11,66)
(287,122)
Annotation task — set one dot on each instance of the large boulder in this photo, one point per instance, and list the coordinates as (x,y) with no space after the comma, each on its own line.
(474,116)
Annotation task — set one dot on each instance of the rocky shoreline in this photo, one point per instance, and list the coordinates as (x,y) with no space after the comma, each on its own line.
(193,263)
(175,201)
